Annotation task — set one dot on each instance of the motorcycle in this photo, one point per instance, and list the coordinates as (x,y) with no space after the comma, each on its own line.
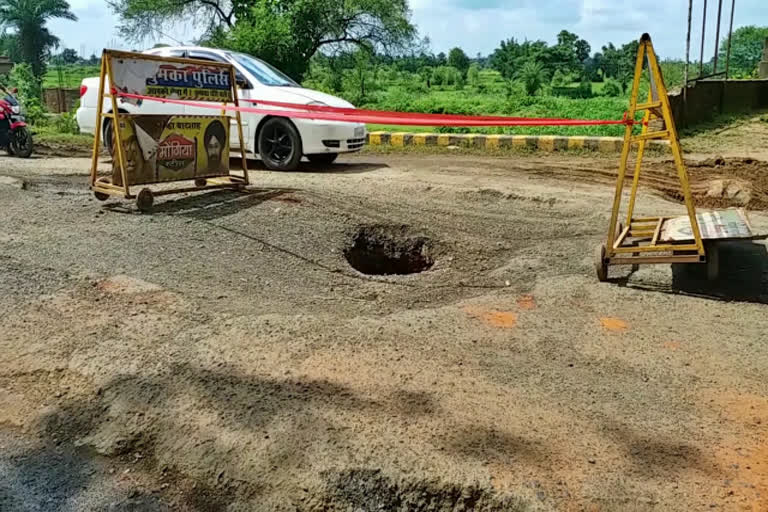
(15,136)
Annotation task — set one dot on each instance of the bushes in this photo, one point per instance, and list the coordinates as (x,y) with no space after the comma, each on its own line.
(533,77)
(65,123)
(29,93)
(611,88)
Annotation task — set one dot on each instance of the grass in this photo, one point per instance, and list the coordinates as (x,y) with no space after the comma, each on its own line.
(63,144)
(398,128)
(474,102)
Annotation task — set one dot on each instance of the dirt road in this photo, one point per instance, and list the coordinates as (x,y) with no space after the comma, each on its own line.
(222,354)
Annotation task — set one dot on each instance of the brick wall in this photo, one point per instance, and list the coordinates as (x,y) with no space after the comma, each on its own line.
(60,100)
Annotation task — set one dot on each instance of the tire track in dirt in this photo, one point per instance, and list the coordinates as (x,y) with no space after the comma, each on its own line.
(715,183)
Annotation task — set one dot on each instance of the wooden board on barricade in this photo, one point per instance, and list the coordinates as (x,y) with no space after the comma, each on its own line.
(153,149)
(173,148)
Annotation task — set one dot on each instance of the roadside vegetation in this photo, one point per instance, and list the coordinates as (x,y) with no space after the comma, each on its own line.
(368,52)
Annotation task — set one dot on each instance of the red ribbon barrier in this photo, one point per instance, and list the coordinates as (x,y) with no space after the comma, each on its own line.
(356,111)
(380,117)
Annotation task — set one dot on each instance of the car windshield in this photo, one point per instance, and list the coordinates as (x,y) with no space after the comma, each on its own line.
(262,71)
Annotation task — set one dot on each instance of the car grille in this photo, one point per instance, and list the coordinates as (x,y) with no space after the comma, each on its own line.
(332,143)
(355,143)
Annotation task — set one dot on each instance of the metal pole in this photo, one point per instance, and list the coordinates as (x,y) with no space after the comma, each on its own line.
(703,33)
(717,34)
(730,36)
(688,52)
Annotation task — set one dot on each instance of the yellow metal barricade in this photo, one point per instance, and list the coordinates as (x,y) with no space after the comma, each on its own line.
(161,148)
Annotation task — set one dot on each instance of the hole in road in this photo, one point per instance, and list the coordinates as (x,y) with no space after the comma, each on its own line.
(389,250)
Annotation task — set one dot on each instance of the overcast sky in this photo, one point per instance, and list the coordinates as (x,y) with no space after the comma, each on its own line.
(479,25)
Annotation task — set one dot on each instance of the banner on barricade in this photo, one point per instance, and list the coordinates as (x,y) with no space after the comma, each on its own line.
(159,78)
(162,144)
(171,148)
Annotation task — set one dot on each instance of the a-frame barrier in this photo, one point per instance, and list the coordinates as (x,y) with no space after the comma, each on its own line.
(104,187)
(638,241)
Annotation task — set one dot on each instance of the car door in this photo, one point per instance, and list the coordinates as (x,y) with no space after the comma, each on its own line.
(234,140)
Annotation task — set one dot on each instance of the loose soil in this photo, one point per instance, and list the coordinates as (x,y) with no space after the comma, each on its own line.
(222,353)
(715,182)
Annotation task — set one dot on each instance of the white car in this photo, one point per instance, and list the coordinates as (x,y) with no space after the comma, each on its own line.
(280,142)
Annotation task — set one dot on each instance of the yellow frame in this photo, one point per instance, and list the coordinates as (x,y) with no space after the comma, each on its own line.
(633,243)
(100,187)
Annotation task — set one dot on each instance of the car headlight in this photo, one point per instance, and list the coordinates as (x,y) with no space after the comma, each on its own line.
(16,109)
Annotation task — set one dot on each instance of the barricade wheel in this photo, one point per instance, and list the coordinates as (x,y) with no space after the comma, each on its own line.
(201,182)
(145,200)
(601,265)
(101,196)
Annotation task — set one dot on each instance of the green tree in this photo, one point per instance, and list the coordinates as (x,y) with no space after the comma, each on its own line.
(9,46)
(582,48)
(28,20)
(426,75)
(458,59)
(558,79)
(619,63)
(286,33)
(69,56)
(746,49)
(611,88)
(509,58)
(361,76)
(533,76)
(568,55)
(473,75)
(460,82)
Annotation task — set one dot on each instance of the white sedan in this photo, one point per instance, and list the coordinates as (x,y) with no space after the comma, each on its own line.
(280,142)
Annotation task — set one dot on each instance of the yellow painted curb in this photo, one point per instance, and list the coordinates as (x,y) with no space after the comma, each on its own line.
(606,146)
(546,143)
(576,142)
(519,141)
(492,141)
(398,139)
(374,138)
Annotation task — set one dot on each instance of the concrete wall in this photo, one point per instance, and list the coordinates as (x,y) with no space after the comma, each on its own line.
(60,100)
(762,70)
(5,65)
(708,98)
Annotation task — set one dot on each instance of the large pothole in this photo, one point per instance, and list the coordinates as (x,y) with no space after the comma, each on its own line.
(383,250)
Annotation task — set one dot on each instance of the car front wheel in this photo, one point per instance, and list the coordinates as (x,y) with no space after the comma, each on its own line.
(279,145)
(323,158)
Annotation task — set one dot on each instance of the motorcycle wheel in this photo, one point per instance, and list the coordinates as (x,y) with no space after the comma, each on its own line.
(21,142)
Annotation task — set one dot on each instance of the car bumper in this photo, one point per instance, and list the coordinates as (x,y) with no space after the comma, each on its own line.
(330,136)
(86,119)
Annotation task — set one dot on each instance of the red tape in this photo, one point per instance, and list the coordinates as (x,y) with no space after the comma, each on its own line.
(347,115)
(406,115)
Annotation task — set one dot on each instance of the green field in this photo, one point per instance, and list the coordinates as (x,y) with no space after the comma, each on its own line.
(68,76)
(392,90)
(475,103)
